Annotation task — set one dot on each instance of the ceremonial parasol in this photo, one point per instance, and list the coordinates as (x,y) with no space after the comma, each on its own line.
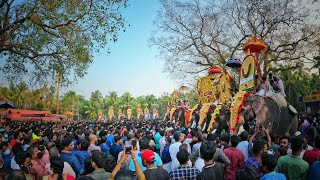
(214,70)
(234,63)
(254,45)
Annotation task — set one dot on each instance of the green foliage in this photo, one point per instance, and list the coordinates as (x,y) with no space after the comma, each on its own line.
(41,38)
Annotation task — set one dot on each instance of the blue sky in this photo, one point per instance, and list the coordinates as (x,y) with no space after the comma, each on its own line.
(132,65)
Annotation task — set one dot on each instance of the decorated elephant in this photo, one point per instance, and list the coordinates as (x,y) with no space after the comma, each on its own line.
(266,112)
(219,120)
(180,115)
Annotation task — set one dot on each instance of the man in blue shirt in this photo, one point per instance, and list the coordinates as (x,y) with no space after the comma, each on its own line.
(104,147)
(110,138)
(116,148)
(266,165)
(68,145)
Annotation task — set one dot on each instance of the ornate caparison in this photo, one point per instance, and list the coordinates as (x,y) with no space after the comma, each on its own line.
(214,116)
(237,104)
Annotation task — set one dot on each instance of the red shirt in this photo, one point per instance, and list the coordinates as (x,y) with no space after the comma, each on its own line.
(236,158)
(12,143)
(311,155)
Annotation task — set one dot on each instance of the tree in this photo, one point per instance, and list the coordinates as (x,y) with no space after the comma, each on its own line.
(193,35)
(43,38)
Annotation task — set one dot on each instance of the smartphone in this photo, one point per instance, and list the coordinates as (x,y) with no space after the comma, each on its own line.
(128,145)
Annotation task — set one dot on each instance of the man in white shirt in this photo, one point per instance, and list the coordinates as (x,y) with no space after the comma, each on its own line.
(174,148)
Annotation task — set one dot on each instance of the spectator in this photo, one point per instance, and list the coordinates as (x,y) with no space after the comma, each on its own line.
(284,142)
(184,171)
(174,148)
(267,164)
(211,170)
(88,169)
(244,144)
(116,148)
(99,160)
(16,175)
(27,141)
(247,172)
(126,163)
(144,145)
(36,162)
(225,139)
(236,158)
(7,154)
(274,143)
(162,141)
(282,151)
(157,138)
(67,145)
(153,172)
(16,148)
(259,147)
(104,147)
(314,154)
(166,158)
(93,143)
(23,159)
(67,169)
(293,166)
(314,171)
(57,166)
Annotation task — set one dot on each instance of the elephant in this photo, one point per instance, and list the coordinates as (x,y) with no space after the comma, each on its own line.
(221,124)
(266,112)
(180,115)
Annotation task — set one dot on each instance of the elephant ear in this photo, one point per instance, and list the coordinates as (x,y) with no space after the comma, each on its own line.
(257,104)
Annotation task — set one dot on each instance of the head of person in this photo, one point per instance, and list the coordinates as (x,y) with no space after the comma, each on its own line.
(23,159)
(183,157)
(144,143)
(88,169)
(259,146)
(34,152)
(111,163)
(168,140)
(148,157)
(93,139)
(234,141)
(16,148)
(244,136)
(4,146)
(274,138)
(124,174)
(247,172)
(183,147)
(268,163)
(16,175)
(99,159)
(207,150)
(67,144)
(178,136)
(225,139)
(54,152)
(282,151)
(284,141)
(118,139)
(84,145)
(296,144)
(57,165)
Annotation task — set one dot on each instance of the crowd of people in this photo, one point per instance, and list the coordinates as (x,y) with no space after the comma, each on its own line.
(153,149)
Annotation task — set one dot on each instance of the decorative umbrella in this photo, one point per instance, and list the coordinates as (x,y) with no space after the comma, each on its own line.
(183,88)
(214,70)
(254,45)
(234,63)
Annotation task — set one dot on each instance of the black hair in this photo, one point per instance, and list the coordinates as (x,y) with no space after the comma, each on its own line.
(225,137)
(183,156)
(247,172)
(99,158)
(65,142)
(125,133)
(269,161)
(110,163)
(21,156)
(282,150)
(235,140)
(207,150)
(84,145)
(124,175)
(53,152)
(162,133)
(144,143)
(177,136)
(16,148)
(244,136)
(258,145)
(296,143)
(16,134)
(57,165)
(16,175)
(117,138)
(27,138)
(103,139)
(88,169)
(211,137)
